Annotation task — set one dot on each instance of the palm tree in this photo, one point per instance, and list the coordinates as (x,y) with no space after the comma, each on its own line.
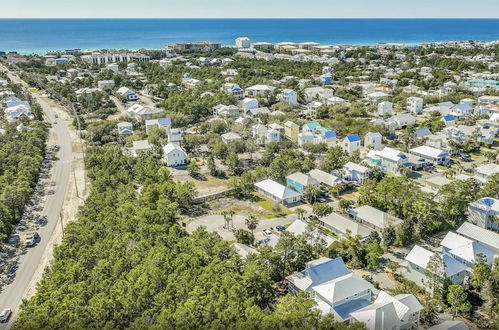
(226,218)
(300,213)
(251,222)
(231,214)
(404,170)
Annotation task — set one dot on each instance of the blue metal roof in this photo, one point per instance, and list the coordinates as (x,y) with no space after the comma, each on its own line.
(448,117)
(353,138)
(164,121)
(330,134)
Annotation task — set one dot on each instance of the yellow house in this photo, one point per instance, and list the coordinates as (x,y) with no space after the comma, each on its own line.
(291,130)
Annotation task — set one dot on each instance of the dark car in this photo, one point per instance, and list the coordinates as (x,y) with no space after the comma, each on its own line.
(468,170)
(313,217)
(280,228)
(466,157)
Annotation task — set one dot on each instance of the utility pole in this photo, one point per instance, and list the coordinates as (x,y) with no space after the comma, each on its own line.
(76,183)
(62,225)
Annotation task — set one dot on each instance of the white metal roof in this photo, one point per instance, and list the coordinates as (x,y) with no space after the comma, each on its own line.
(343,287)
(427,151)
(276,189)
(453,240)
(482,235)
(376,217)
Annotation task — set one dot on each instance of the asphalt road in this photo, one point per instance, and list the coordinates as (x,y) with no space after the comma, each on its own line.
(12,295)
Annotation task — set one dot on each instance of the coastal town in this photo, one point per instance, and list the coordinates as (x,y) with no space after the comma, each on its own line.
(361,179)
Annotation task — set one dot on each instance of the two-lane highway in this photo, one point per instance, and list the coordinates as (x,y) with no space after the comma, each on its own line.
(12,295)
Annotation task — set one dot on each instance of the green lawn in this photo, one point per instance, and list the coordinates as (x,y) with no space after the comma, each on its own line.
(269,205)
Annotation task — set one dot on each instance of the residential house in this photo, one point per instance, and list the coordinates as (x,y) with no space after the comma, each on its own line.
(234,89)
(449,120)
(300,227)
(106,84)
(125,128)
(277,192)
(450,325)
(388,160)
(174,155)
(142,113)
(464,250)
(127,94)
(415,105)
(140,146)
(374,218)
(484,173)
(400,121)
(288,96)
(260,90)
(373,141)
(254,113)
(486,237)
(385,108)
(422,133)
(335,100)
(163,123)
(222,110)
(417,265)
(277,127)
(324,178)
(291,131)
(484,213)
(390,312)
(16,112)
(430,155)
(462,110)
(342,226)
(299,182)
(244,250)
(356,172)
(249,103)
(321,94)
(230,137)
(305,138)
(333,286)
(351,143)
(175,136)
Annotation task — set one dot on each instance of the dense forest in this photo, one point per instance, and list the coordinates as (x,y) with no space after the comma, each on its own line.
(21,154)
(127,263)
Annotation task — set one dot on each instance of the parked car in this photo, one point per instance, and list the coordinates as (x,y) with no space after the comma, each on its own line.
(31,238)
(313,217)
(5,315)
(280,228)
(465,157)
(267,232)
(468,170)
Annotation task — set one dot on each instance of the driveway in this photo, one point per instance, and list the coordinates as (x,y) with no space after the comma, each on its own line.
(214,223)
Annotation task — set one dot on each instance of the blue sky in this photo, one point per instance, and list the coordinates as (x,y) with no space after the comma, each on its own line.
(249,8)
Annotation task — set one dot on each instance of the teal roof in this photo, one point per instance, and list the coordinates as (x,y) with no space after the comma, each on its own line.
(313,125)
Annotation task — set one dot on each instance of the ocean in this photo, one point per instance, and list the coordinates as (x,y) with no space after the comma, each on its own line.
(39,35)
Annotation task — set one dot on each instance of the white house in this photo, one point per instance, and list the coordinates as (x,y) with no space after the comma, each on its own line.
(305,137)
(465,250)
(333,286)
(163,123)
(234,89)
(400,121)
(356,172)
(415,105)
(449,120)
(385,108)
(288,96)
(484,213)
(351,143)
(243,42)
(417,264)
(174,155)
(140,146)
(318,94)
(175,136)
(249,103)
(106,84)
(16,112)
(373,140)
(486,237)
(336,100)
(450,325)
(429,154)
(142,113)
(388,160)
(127,94)
(325,178)
(222,110)
(484,173)
(277,192)
(230,137)
(125,128)
(259,90)
(374,218)
(300,227)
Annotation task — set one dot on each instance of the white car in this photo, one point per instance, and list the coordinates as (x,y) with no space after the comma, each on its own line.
(31,239)
(267,232)
(5,314)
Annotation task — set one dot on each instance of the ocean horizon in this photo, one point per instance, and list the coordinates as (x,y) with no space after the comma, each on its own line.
(29,36)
